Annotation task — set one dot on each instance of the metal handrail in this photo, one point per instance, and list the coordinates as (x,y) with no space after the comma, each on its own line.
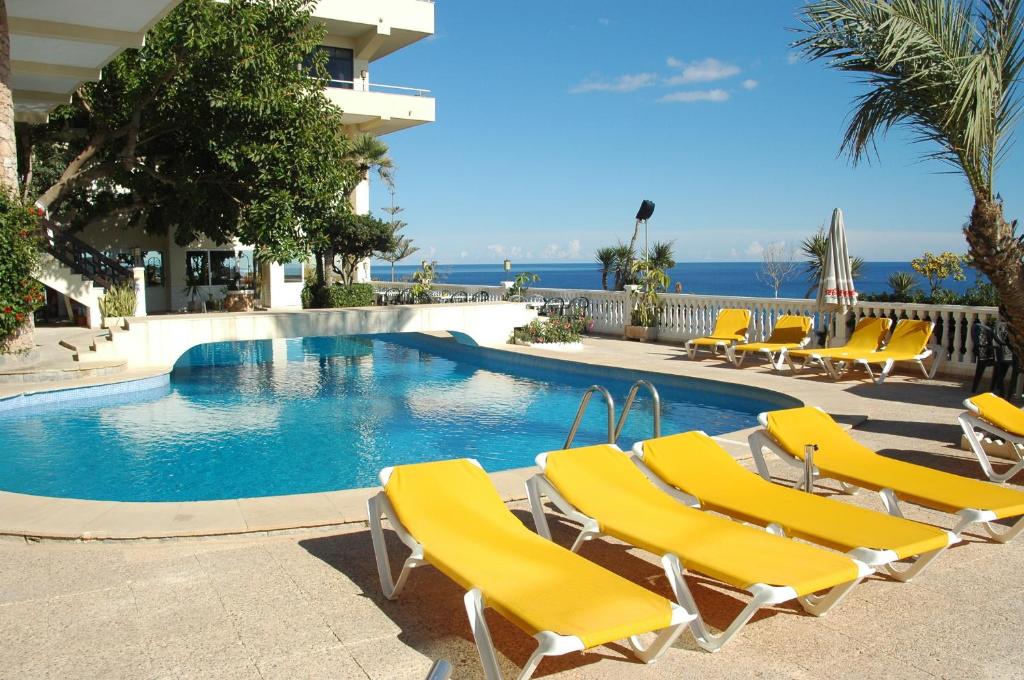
(656,406)
(609,402)
(370,87)
(82,258)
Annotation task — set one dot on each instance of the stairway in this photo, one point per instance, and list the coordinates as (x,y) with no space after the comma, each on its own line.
(75,269)
(65,353)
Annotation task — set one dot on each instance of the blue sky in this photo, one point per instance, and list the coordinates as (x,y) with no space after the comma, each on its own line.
(556,117)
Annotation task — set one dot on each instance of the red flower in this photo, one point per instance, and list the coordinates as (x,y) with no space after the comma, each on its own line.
(8,310)
(19,316)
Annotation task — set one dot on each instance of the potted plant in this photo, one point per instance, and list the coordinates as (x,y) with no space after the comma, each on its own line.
(643,319)
(116,304)
(191,289)
(518,287)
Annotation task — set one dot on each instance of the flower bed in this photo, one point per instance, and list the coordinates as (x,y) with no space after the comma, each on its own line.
(556,330)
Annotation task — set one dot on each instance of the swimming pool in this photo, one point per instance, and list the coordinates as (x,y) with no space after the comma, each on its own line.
(264,418)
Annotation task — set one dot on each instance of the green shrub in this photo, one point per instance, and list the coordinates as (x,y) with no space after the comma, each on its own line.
(20,293)
(555,329)
(119,301)
(336,295)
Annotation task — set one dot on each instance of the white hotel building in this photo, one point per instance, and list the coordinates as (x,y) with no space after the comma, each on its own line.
(59,44)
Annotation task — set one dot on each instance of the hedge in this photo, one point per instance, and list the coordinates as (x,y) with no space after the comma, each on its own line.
(337,295)
(20,293)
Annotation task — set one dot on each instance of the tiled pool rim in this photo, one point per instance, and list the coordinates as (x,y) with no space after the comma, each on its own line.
(42,517)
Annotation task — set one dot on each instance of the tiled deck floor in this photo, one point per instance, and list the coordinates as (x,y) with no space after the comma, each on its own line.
(308,605)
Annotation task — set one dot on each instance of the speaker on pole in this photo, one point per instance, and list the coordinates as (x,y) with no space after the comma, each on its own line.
(645,211)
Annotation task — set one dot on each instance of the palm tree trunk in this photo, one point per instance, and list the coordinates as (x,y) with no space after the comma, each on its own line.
(604,279)
(8,149)
(1000,256)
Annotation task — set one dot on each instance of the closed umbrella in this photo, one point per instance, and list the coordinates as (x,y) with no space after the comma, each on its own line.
(836,292)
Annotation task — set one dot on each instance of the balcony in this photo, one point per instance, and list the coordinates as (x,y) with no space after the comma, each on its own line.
(380,109)
(376,29)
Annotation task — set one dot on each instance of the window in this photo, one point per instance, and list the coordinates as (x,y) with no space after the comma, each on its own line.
(197,267)
(222,267)
(153,261)
(293,272)
(339,65)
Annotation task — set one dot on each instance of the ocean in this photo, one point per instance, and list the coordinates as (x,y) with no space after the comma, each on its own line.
(706,278)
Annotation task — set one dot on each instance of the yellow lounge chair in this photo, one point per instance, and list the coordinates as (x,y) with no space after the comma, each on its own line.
(839,456)
(868,335)
(601,489)
(449,514)
(730,328)
(696,470)
(909,342)
(790,332)
(992,414)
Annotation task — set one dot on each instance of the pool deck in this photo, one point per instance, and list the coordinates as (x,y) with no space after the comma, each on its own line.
(306,602)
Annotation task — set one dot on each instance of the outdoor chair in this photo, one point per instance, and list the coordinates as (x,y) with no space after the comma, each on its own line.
(695,470)
(730,328)
(537,302)
(867,336)
(391,296)
(514,298)
(790,332)
(999,418)
(406,297)
(554,306)
(599,488)
(579,306)
(481,296)
(460,296)
(909,343)
(839,456)
(449,514)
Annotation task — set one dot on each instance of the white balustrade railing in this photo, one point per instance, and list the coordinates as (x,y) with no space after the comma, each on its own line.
(686,316)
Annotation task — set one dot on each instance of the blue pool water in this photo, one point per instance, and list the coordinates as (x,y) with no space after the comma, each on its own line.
(246,419)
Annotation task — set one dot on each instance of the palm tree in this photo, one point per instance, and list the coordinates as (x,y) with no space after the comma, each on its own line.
(660,255)
(606,258)
(815,248)
(369,153)
(902,284)
(403,249)
(948,70)
(623,266)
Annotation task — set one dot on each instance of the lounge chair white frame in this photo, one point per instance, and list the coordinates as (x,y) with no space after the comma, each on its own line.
(883,561)
(760,441)
(973,425)
(762,594)
(692,349)
(777,362)
(836,368)
(548,643)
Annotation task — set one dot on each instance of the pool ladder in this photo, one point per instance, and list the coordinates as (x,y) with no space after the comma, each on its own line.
(615,428)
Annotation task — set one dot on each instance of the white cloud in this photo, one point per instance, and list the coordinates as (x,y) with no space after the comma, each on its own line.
(463,254)
(749,84)
(496,248)
(604,21)
(554,251)
(716,95)
(704,71)
(792,57)
(754,249)
(627,83)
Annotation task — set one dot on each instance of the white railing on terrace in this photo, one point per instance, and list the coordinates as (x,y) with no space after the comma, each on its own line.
(686,316)
(363,86)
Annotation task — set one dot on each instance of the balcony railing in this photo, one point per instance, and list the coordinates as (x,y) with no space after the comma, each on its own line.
(688,316)
(363,86)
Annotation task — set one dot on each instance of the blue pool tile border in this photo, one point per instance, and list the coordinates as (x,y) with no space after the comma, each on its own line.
(17,402)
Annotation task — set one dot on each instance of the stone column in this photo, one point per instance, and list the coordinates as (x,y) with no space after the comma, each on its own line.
(8,149)
(139,274)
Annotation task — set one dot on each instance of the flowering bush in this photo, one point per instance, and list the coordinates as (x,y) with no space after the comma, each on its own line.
(555,329)
(20,293)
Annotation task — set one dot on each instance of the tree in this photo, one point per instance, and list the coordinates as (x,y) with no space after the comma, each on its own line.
(403,249)
(902,284)
(210,129)
(660,255)
(624,256)
(351,238)
(949,70)
(606,258)
(815,248)
(937,268)
(777,266)
(367,153)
